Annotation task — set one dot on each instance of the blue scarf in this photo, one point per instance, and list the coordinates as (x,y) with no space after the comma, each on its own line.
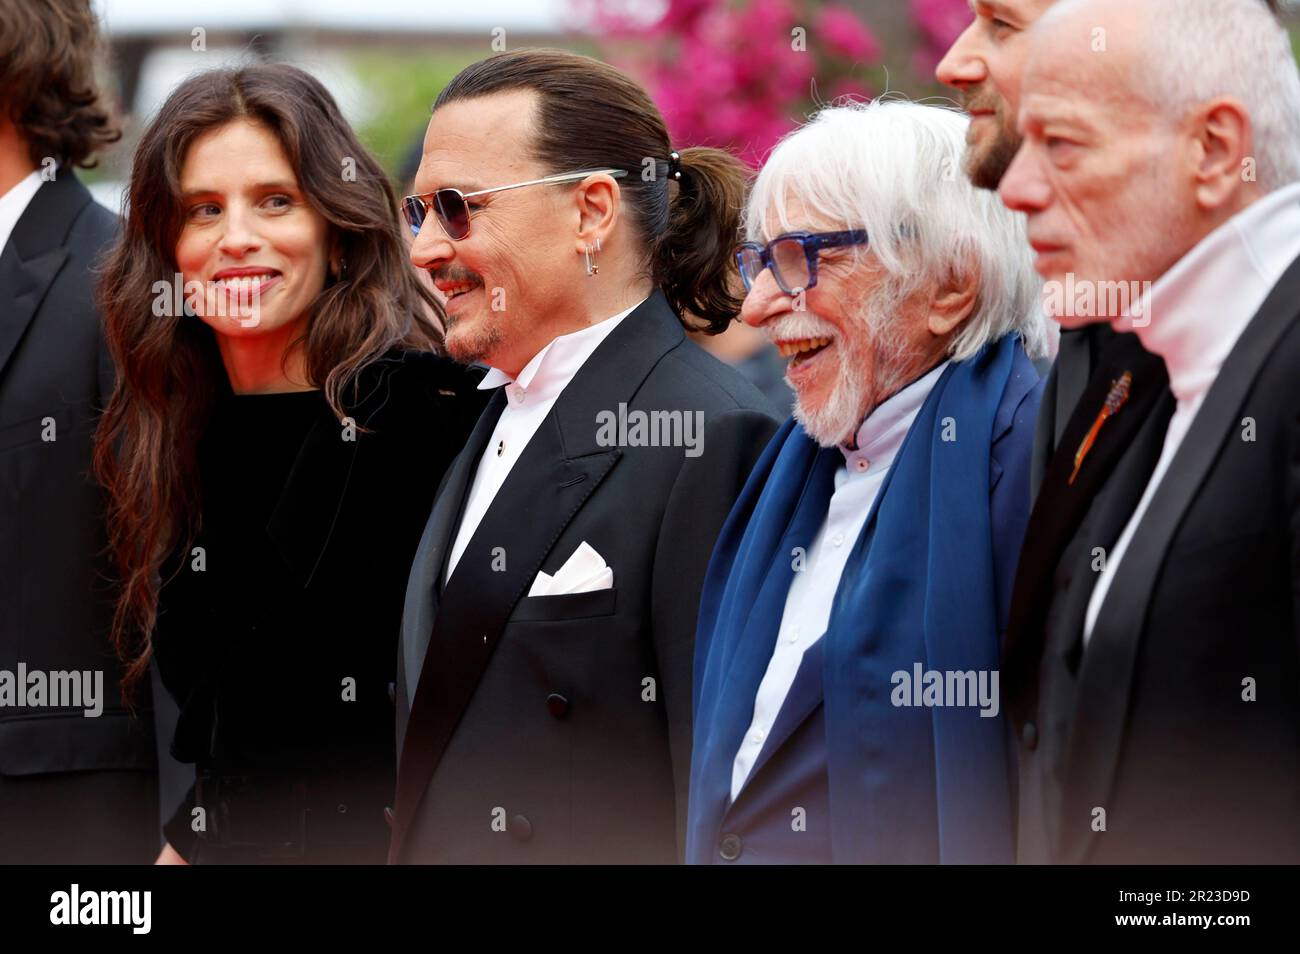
(907,784)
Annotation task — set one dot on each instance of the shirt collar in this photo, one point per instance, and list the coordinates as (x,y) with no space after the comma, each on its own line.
(552,368)
(881,435)
(1199,308)
(14,202)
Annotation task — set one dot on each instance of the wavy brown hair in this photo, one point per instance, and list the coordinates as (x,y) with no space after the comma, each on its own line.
(168,369)
(592,115)
(47,79)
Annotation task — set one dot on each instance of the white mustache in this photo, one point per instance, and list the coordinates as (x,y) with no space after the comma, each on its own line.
(800,326)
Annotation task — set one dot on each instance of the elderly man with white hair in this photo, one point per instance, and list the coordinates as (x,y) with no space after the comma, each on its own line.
(846,685)
(1158,698)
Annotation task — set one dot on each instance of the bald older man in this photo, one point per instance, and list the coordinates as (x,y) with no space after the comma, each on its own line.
(985,66)
(1158,704)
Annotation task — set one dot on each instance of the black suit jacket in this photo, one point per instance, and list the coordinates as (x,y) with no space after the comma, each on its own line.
(72,789)
(1151,722)
(558,728)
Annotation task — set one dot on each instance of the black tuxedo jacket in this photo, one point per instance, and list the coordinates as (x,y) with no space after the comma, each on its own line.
(1180,721)
(558,728)
(72,789)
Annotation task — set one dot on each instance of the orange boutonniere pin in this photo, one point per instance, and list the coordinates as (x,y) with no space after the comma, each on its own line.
(1115,399)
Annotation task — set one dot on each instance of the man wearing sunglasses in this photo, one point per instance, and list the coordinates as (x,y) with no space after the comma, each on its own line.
(846,691)
(544,688)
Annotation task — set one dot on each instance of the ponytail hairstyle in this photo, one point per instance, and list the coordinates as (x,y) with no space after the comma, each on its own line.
(169,372)
(593,116)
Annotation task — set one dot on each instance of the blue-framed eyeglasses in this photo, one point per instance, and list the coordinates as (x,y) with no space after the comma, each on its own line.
(792,257)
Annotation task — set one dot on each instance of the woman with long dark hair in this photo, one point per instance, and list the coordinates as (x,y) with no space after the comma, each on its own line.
(280,423)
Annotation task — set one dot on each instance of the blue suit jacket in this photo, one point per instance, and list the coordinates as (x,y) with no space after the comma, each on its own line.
(787,771)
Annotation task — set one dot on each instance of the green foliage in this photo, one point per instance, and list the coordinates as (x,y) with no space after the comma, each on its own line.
(402,87)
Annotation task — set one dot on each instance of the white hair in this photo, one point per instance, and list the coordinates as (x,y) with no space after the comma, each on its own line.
(894,168)
(1204,49)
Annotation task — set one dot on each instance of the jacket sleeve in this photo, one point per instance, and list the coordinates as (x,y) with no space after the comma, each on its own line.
(705,489)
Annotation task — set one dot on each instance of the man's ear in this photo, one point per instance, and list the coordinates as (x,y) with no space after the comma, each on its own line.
(1221,157)
(953,303)
(597,200)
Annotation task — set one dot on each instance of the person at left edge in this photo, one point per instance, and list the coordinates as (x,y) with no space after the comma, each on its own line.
(870,556)
(73,790)
(272,449)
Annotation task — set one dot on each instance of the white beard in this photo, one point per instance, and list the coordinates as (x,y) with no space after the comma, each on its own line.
(872,366)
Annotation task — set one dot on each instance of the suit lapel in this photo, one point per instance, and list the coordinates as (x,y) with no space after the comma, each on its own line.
(1061,506)
(424,588)
(558,471)
(1107,670)
(34,254)
(1106,521)
(801,701)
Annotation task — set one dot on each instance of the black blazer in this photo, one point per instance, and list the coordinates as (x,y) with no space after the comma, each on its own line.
(558,728)
(72,789)
(1151,721)
(260,681)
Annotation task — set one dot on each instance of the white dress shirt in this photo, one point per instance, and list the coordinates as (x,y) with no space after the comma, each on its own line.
(14,203)
(529,398)
(1198,310)
(808,604)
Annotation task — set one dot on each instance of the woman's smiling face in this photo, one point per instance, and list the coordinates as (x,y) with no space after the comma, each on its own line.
(249,236)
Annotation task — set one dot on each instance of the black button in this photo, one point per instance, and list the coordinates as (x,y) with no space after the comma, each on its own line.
(557,705)
(730,847)
(388,816)
(1029,735)
(392,693)
(521,829)
(342,809)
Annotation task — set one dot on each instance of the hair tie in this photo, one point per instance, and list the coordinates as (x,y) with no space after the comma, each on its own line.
(674,165)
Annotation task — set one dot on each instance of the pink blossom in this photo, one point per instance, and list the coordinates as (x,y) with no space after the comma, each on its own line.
(842,31)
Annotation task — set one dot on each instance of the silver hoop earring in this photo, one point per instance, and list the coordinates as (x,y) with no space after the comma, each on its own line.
(589,253)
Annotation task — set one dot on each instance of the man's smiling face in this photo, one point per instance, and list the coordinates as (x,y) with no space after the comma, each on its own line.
(514,269)
(848,347)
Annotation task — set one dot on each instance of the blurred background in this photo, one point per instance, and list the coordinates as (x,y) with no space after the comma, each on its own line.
(737,74)
(722,71)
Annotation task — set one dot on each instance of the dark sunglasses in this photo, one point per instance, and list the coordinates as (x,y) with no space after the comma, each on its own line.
(453,211)
(792,257)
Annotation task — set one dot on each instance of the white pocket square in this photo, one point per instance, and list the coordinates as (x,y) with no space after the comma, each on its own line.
(583,572)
